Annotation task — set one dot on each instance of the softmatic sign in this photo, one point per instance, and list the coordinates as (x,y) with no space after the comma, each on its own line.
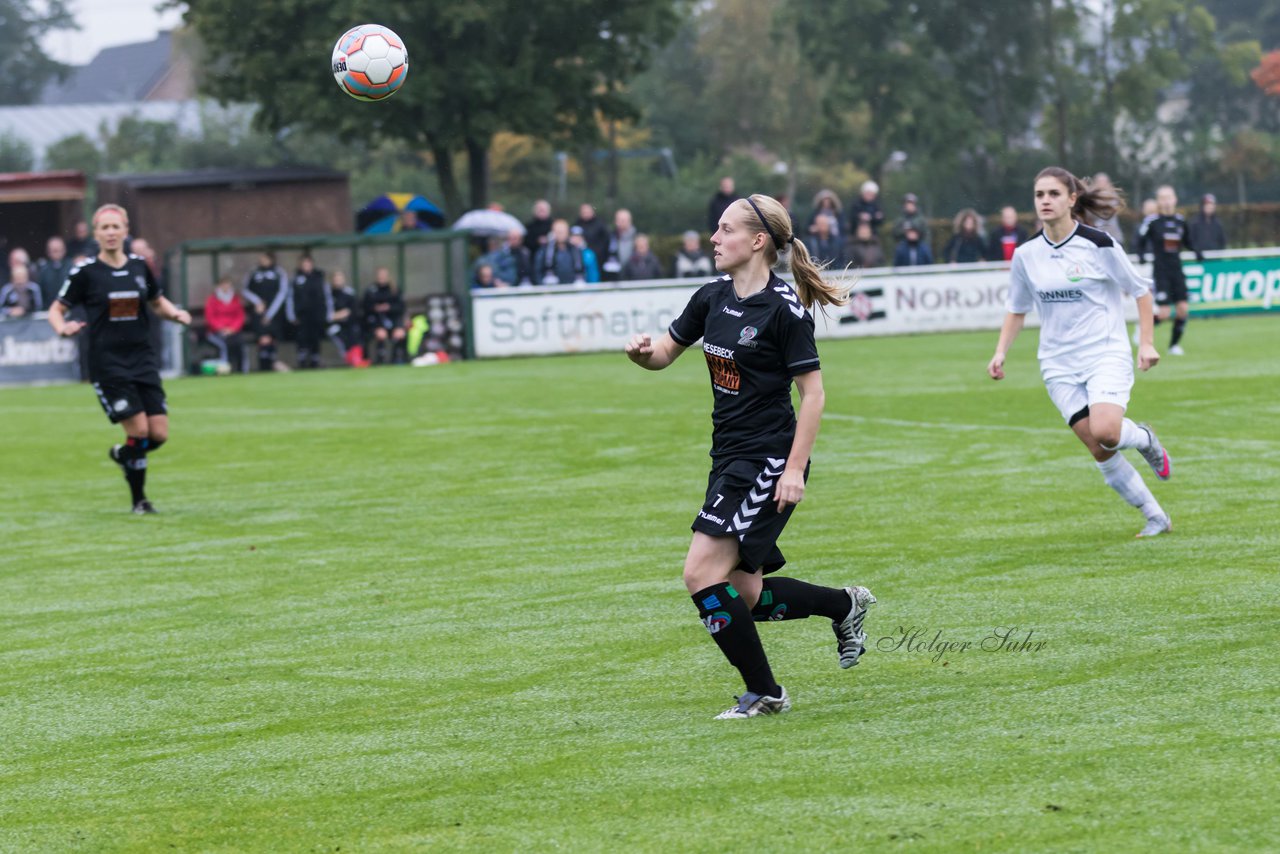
(31,352)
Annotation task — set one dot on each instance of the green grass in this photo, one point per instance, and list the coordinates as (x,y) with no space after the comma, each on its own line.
(441,609)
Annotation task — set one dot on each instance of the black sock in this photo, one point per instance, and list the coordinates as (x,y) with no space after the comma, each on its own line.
(133,455)
(1179,324)
(792,599)
(728,620)
(1155,320)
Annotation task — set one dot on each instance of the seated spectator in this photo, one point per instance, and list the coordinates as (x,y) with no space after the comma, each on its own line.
(621,242)
(594,231)
(912,251)
(823,243)
(1206,229)
(559,262)
(825,203)
(20,298)
(864,250)
(53,269)
(18,255)
(384,320)
(224,319)
(510,262)
(912,217)
(866,208)
(691,262)
(344,322)
(590,266)
(1008,237)
(81,245)
(482,279)
(311,308)
(642,264)
(965,245)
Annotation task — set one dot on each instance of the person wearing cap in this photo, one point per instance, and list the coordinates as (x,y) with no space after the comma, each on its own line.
(913,250)
(911,218)
(866,208)
(590,263)
(1206,229)
(691,262)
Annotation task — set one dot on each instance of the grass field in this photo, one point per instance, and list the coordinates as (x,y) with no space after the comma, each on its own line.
(440,609)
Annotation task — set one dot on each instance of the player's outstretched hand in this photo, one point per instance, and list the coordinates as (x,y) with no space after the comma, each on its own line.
(71,328)
(1147,357)
(790,489)
(995,368)
(639,348)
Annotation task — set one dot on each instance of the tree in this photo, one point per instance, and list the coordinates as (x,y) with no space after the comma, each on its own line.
(24,66)
(1267,74)
(77,152)
(549,70)
(15,154)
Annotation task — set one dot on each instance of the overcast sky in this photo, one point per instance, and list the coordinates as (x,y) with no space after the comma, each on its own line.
(104,23)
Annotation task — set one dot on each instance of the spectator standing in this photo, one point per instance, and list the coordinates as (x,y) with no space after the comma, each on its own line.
(81,245)
(965,245)
(864,251)
(344,321)
(1008,237)
(559,262)
(1110,224)
(866,208)
(267,289)
(824,244)
(384,319)
(724,197)
(510,262)
(911,217)
(224,319)
(53,269)
(642,264)
(20,298)
(825,203)
(691,262)
(537,229)
(1206,229)
(912,251)
(594,231)
(621,242)
(590,263)
(311,302)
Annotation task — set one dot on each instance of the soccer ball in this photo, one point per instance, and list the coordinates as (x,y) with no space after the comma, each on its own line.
(370,62)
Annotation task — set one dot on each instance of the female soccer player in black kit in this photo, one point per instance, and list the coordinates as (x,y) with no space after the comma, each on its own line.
(757,337)
(1165,236)
(124,367)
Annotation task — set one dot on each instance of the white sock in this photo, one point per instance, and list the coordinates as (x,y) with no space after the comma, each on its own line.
(1124,479)
(1131,436)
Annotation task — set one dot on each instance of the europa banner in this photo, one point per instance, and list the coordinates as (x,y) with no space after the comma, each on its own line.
(1234,285)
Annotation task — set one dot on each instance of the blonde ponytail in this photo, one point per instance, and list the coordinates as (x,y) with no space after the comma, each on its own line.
(810,287)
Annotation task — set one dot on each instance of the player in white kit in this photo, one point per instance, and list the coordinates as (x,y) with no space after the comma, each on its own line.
(1077,278)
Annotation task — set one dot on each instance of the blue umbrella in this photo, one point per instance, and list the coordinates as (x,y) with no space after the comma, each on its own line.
(382,215)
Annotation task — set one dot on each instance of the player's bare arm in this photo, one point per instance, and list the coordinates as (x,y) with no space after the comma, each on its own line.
(653,355)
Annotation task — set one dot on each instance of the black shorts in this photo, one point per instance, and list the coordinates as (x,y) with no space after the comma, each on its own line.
(1171,286)
(122,398)
(740,503)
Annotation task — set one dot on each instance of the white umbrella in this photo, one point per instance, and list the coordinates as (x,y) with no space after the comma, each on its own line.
(488,223)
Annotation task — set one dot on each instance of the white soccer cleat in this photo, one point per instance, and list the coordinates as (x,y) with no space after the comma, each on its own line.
(1155,527)
(851,640)
(1155,454)
(752,705)
(1176,350)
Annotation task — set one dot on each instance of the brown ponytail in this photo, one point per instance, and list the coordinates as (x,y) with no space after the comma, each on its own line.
(1093,203)
(810,287)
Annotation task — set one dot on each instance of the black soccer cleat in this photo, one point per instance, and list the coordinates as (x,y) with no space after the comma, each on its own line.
(144,508)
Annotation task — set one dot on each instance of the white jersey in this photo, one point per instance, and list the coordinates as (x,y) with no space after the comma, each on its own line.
(1078,287)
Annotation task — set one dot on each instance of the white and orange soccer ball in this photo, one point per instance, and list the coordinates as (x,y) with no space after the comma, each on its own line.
(370,62)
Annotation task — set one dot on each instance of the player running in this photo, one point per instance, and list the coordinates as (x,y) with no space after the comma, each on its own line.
(757,337)
(124,367)
(1077,277)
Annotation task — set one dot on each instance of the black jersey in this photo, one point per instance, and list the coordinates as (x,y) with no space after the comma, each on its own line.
(753,349)
(311,296)
(114,299)
(1165,237)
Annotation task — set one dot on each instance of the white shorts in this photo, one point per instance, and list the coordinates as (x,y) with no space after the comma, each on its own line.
(1108,380)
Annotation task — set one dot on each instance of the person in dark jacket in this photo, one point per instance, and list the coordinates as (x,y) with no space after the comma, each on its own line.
(1206,229)
(537,229)
(864,250)
(866,208)
(559,262)
(267,290)
(312,307)
(594,231)
(53,269)
(911,216)
(726,196)
(1008,237)
(965,245)
(912,251)
(384,320)
(824,244)
(642,264)
(344,321)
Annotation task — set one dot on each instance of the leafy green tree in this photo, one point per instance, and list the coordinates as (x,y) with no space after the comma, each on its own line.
(475,68)
(15,154)
(24,65)
(77,152)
